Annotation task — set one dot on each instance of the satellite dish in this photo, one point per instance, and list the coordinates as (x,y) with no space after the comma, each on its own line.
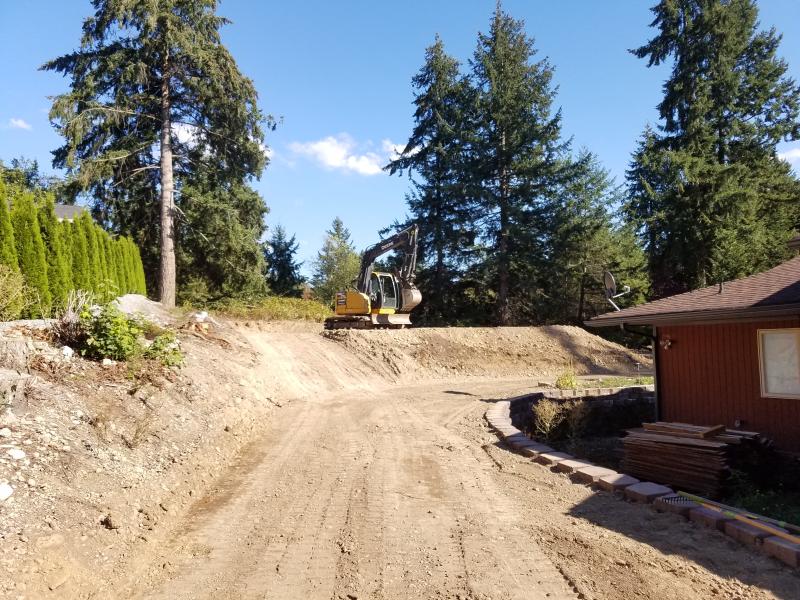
(610,285)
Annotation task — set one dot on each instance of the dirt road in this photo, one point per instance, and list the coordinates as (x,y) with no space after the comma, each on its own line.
(402,492)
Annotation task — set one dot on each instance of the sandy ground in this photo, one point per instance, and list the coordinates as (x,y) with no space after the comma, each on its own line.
(353,485)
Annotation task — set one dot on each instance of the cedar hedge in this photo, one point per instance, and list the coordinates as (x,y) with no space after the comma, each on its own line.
(55,257)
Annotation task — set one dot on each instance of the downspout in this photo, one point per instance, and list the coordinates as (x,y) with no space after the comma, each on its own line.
(653,337)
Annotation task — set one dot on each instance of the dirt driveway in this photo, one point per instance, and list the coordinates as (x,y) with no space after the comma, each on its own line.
(404,493)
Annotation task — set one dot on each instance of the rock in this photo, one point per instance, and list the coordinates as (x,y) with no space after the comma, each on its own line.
(5,432)
(16,453)
(5,491)
(67,352)
(109,522)
(107,362)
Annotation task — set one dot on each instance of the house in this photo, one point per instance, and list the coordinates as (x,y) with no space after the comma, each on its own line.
(729,353)
(68,212)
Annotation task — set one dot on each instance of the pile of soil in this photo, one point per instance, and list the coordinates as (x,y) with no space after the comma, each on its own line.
(489,352)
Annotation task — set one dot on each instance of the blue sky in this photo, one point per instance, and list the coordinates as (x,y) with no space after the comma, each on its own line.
(338,74)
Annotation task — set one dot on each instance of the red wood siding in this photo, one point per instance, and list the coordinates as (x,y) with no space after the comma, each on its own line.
(710,376)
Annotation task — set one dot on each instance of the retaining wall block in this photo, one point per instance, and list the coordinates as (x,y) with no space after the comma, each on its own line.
(592,474)
(709,518)
(572,465)
(783,550)
(746,533)
(551,458)
(616,483)
(534,449)
(646,491)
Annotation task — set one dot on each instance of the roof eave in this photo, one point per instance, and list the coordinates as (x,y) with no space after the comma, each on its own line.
(698,316)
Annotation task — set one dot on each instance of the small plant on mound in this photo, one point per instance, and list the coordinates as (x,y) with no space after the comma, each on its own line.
(548,415)
(567,380)
(166,349)
(110,333)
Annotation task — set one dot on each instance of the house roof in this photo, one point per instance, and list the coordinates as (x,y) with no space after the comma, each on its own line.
(773,293)
(68,212)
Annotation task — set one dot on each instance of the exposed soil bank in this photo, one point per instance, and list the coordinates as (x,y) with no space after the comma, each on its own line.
(288,465)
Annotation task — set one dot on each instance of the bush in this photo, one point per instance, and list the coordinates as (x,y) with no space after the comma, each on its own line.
(577,414)
(548,415)
(14,295)
(110,333)
(567,380)
(166,349)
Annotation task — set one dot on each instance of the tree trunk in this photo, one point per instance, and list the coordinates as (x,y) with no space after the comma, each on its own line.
(166,281)
(503,309)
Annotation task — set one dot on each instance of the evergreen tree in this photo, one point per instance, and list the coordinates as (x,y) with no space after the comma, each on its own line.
(59,271)
(438,202)
(283,272)
(92,252)
(31,253)
(582,244)
(79,248)
(144,69)
(709,197)
(219,236)
(8,250)
(517,159)
(337,264)
(141,284)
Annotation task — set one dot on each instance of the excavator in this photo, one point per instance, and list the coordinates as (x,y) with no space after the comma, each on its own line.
(377,299)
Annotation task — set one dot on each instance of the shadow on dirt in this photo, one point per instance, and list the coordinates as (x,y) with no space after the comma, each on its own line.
(675,536)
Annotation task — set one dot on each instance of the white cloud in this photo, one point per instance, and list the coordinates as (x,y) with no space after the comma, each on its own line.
(792,156)
(19,124)
(343,153)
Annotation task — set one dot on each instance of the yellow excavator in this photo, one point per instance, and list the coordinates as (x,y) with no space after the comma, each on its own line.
(377,299)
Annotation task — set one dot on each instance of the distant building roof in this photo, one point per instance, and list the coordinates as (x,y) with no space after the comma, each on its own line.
(773,293)
(68,212)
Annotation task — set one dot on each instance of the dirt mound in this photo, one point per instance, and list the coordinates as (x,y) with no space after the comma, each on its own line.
(489,352)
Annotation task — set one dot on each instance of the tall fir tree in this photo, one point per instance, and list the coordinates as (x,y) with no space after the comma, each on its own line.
(709,196)
(31,253)
(435,156)
(59,269)
(337,263)
(518,158)
(143,70)
(8,249)
(283,270)
(582,243)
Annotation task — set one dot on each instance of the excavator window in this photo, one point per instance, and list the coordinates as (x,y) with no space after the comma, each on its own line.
(389,292)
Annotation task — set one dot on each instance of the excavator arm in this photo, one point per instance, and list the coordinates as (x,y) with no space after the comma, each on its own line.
(405,240)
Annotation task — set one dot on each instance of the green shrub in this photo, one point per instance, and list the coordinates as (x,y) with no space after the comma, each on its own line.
(13,293)
(166,349)
(567,380)
(110,333)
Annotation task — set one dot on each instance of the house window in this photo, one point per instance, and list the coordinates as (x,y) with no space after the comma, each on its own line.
(779,357)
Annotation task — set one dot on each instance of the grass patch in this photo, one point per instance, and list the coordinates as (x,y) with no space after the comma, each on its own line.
(614,382)
(775,495)
(274,308)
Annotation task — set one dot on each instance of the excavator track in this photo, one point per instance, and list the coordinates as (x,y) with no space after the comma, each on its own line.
(396,321)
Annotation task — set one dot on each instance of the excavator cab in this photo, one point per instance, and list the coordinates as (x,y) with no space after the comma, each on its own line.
(383,293)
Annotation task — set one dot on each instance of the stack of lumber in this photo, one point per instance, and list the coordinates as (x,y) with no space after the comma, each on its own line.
(687,457)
